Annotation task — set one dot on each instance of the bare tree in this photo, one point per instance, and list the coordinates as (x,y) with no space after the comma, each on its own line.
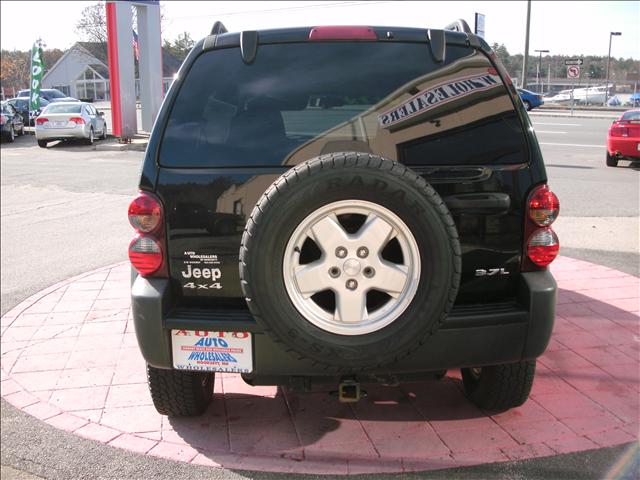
(92,26)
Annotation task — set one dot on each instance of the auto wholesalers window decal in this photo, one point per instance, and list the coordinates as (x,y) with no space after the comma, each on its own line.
(439,95)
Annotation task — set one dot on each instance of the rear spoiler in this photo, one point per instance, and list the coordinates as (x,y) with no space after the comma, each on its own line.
(459,26)
(437,40)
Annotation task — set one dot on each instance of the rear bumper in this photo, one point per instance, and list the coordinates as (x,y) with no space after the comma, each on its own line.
(471,335)
(624,147)
(80,131)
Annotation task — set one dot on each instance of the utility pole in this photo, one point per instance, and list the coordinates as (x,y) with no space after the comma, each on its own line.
(525,61)
(606,87)
(540,74)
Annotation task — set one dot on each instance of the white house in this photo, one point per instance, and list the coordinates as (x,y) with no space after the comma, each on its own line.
(83,72)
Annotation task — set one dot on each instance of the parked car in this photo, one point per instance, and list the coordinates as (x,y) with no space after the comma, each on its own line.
(66,121)
(397,218)
(21,104)
(52,95)
(634,100)
(11,122)
(623,139)
(530,99)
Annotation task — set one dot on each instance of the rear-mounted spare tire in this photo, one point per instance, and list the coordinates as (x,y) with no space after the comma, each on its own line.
(351,261)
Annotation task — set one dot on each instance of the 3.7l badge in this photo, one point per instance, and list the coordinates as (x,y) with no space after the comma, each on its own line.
(481,272)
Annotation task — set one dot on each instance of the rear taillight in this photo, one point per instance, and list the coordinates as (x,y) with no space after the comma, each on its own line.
(41,120)
(147,249)
(3,119)
(619,131)
(342,32)
(77,120)
(145,254)
(543,246)
(145,213)
(544,206)
(541,243)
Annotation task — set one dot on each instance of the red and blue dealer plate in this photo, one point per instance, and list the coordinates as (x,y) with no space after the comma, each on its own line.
(212,351)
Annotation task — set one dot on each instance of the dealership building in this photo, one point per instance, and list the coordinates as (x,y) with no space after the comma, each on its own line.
(83,72)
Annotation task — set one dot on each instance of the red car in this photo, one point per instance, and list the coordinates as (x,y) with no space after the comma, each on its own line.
(623,140)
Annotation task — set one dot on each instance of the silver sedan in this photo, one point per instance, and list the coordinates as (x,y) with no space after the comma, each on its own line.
(70,120)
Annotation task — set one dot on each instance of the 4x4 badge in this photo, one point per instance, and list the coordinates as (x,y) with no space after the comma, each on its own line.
(481,272)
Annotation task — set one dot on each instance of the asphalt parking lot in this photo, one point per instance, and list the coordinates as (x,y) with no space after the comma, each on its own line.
(64,213)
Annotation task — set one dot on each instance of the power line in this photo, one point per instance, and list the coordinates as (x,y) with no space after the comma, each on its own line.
(305,7)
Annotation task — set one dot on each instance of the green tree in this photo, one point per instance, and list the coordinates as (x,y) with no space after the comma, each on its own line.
(503,55)
(595,71)
(181,46)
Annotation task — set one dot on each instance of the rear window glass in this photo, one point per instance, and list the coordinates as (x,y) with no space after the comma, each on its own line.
(62,108)
(297,101)
(635,115)
(53,93)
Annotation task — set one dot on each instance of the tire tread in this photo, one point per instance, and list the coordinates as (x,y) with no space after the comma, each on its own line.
(178,393)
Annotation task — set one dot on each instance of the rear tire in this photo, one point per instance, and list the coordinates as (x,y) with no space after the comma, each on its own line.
(611,161)
(178,393)
(527,105)
(12,135)
(21,132)
(104,132)
(499,387)
(42,143)
(89,141)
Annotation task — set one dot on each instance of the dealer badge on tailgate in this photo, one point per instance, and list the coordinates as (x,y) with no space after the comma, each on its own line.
(212,351)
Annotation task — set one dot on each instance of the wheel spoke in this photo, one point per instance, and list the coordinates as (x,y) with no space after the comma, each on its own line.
(390,278)
(328,233)
(351,306)
(375,233)
(312,278)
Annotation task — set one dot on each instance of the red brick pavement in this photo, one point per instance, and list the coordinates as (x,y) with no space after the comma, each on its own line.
(70,358)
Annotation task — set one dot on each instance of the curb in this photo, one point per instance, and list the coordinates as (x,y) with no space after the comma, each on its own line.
(121,147)
(584,397)
(575,115)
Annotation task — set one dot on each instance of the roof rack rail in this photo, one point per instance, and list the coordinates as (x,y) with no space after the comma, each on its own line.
(459,26)
(218,28)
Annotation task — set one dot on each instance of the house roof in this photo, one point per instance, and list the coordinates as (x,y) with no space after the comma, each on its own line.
(170,64)
(98,50)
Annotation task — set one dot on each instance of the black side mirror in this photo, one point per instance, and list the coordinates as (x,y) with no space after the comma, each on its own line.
(101,114)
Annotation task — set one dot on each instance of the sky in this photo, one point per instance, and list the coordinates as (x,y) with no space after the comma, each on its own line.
(563,27)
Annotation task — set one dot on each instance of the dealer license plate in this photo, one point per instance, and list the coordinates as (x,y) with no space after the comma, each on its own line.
(212,351)
(55,124)
(638,147)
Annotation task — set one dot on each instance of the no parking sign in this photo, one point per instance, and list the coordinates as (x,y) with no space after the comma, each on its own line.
(573,71)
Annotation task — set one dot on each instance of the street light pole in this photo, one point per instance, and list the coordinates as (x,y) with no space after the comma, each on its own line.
(540,52)
(606,87)
(525,61)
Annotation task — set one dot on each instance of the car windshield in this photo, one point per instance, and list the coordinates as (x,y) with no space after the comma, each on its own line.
(53,93)
(631,116)
(63,108)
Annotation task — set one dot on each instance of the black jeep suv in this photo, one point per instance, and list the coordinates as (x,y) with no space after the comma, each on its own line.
(342,204)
